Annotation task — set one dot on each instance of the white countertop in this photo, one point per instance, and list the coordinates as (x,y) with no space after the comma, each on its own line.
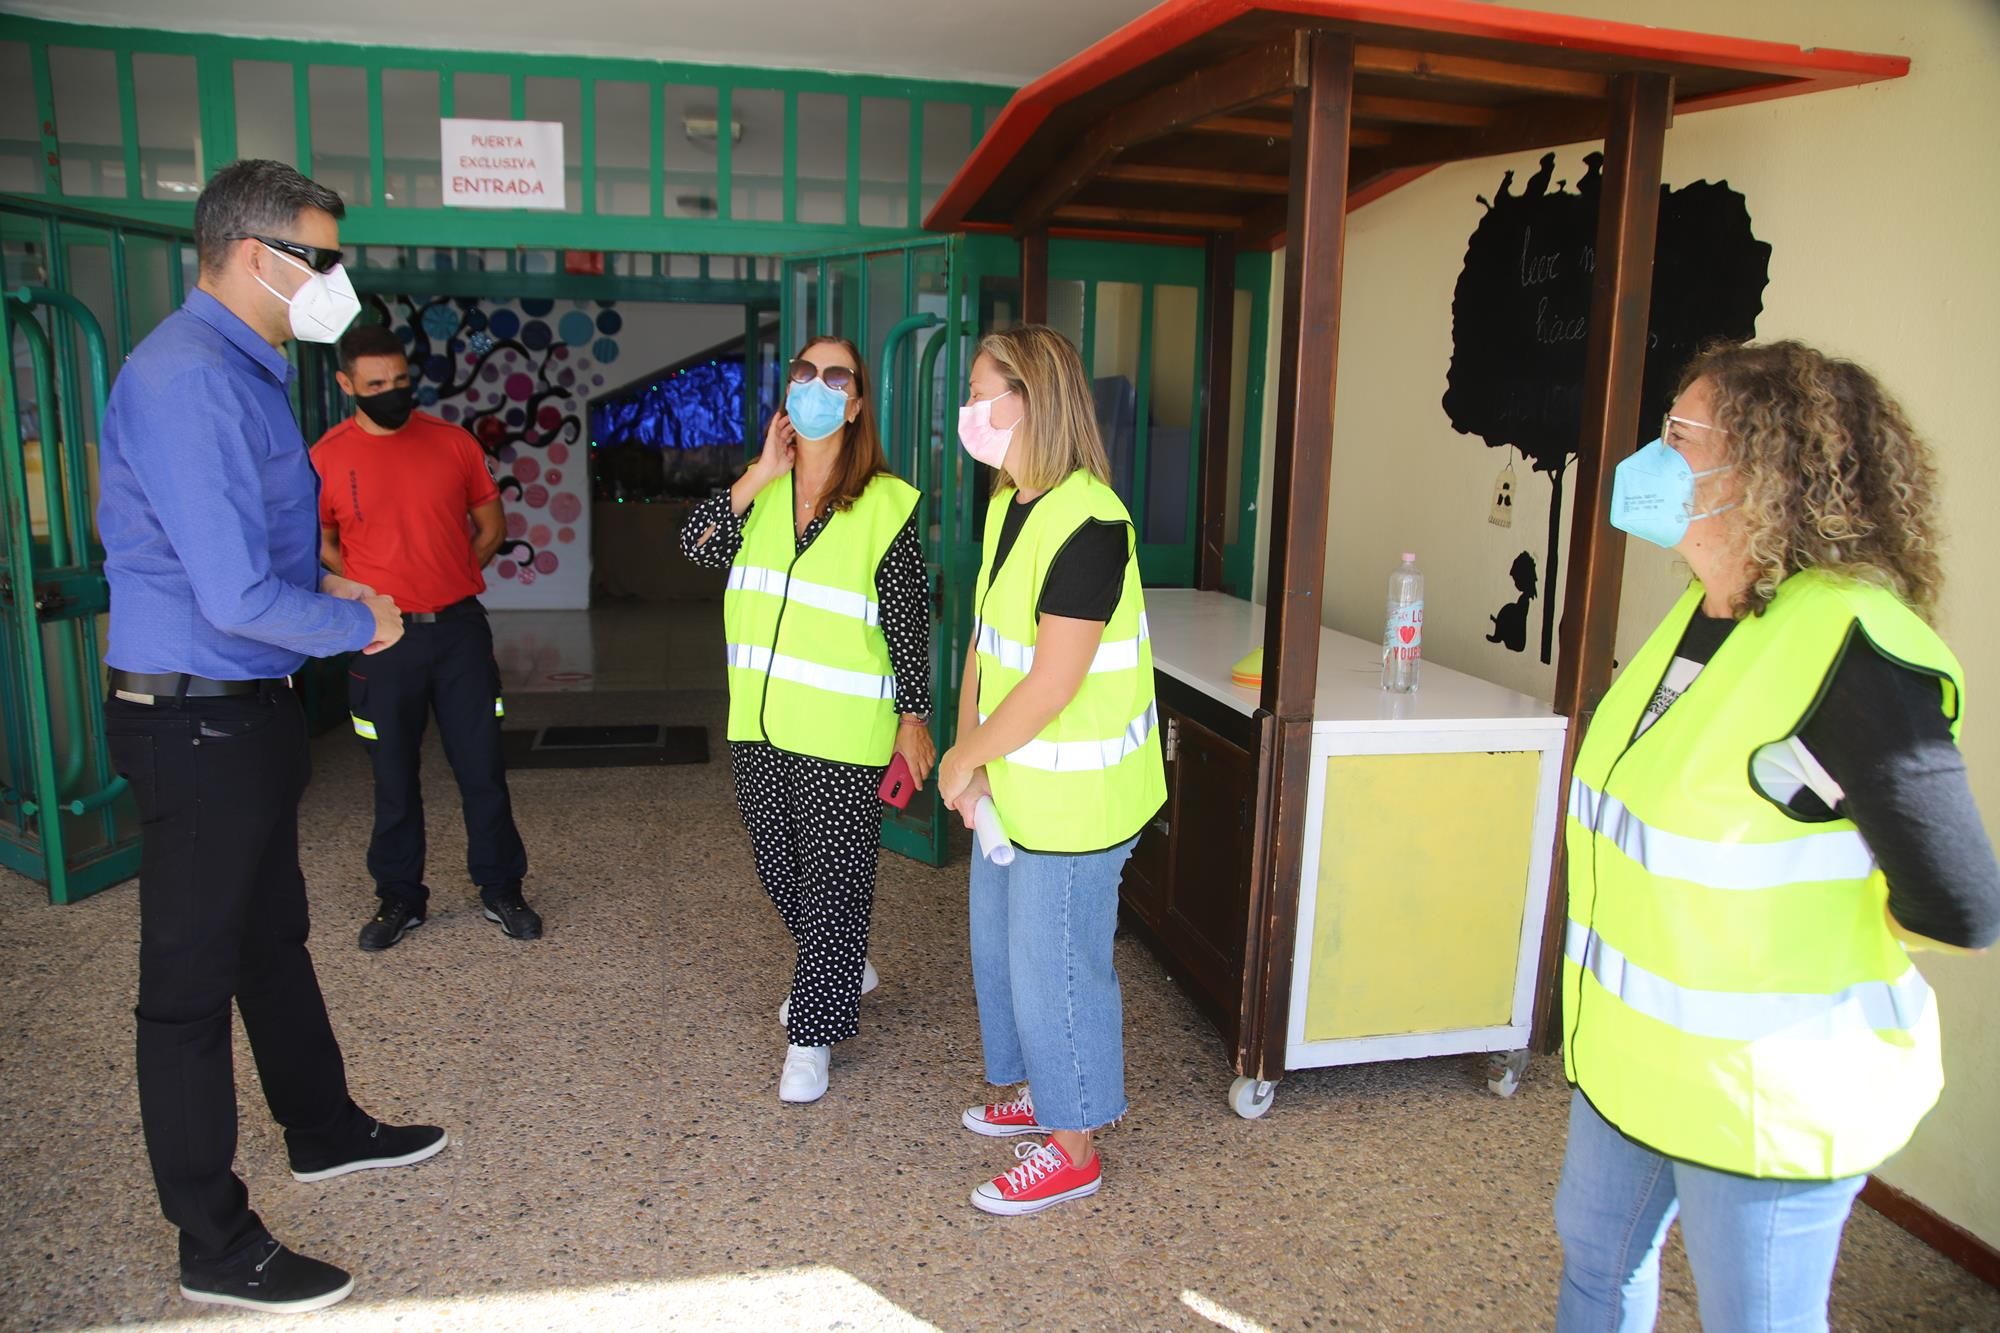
(1198,636)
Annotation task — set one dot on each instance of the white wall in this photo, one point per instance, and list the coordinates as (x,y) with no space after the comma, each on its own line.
(659,333)
(1880,203)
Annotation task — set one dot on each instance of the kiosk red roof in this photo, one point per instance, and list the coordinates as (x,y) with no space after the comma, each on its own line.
(1179,123)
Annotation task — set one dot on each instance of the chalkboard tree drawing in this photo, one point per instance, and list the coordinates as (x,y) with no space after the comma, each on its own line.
(1510,622)
(1520,318)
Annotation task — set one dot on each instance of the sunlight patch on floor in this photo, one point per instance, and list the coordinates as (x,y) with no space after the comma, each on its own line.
(816,1297)
(1221,1316)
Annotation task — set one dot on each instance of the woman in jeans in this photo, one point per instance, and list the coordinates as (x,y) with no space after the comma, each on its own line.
(1768,807)
(1057,726)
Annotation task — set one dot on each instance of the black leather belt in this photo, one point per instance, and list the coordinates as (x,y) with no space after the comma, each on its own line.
(468,607)
(144,687)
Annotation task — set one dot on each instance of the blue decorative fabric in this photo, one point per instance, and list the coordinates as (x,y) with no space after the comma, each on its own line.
(692,409)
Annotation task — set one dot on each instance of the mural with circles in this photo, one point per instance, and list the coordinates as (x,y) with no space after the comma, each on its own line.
(519,375)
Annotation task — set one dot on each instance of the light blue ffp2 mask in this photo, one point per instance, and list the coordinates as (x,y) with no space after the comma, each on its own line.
(1652,495)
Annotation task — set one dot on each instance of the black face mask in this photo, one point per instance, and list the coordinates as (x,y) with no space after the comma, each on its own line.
(390,408)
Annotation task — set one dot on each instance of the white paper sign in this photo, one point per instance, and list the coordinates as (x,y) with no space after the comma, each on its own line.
(503,163)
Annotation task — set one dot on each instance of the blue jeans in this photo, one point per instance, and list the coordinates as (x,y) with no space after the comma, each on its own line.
(1049,1010)
(1762,1250)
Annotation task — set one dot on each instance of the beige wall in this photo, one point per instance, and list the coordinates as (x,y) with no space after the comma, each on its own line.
(1882,205)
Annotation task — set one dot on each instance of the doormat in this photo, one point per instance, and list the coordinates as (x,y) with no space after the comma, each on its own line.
(604,747)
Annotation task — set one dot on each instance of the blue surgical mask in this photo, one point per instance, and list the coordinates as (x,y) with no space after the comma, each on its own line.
(1652,495)
(816,410)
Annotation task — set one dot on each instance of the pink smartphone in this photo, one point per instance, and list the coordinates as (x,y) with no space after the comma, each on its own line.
(898,784)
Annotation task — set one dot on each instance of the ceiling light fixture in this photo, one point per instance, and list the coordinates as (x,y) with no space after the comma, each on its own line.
(702,127)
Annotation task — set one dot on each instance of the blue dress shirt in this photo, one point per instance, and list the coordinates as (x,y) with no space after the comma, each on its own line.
(208,508)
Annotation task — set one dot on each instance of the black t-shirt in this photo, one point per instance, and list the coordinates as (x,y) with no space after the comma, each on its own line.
(1086,578)
(1879,732)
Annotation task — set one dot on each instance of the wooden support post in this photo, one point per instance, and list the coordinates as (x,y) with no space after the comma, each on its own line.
(1218,348)
(1620,302)
(1035,276)
(1317,226)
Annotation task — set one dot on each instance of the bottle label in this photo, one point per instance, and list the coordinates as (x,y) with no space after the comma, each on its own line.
(1403,640)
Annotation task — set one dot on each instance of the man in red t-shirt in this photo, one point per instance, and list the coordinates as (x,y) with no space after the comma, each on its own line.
(407,508)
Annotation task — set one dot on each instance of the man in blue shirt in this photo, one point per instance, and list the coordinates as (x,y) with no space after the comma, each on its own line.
(208,512)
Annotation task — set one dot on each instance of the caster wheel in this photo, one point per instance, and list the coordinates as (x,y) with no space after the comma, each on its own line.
(1250,1097)
(1504,1073)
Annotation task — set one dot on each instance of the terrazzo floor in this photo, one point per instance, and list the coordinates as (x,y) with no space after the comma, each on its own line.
(619,1157)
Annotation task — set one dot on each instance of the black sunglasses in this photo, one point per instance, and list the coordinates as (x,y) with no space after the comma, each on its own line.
(312,256)
(838,378)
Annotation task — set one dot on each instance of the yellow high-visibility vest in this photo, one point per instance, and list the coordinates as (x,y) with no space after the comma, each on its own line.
(1732,994)
(809,668)
(1094,775)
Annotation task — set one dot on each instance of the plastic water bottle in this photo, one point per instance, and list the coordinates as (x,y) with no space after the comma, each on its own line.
(1403,634)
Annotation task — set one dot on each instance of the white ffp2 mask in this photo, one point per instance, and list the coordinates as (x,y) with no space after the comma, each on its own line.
(323,306)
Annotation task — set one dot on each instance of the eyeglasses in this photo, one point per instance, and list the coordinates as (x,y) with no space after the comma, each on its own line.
(314,257)
(837,378)
(1668,422)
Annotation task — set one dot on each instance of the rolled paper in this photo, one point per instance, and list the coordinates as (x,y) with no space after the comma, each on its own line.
(992,835)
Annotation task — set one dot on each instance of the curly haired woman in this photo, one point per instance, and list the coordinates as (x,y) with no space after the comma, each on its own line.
(1769,806)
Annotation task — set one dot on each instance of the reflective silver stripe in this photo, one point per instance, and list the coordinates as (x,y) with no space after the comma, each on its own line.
(841,602)
(363,727)
(1083,756)
(1866,1006)
(1807,859)
(1112,654)
(835,680)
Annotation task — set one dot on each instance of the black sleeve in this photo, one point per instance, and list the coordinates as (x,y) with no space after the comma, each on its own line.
(902,588)
(1088,576)
(1881,735)
(721,547)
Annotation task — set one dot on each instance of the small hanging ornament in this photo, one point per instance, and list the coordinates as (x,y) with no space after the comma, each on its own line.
(1502,513)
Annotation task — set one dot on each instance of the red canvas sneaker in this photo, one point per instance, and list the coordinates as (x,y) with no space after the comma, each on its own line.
(997,1120)
(1046,1176)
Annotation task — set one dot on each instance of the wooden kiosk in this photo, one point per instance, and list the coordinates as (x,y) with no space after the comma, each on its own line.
(1257,123)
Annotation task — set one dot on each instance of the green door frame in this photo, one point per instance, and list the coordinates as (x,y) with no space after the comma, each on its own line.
(373,218)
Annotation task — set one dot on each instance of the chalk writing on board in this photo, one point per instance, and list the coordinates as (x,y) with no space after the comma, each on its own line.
(1520,319)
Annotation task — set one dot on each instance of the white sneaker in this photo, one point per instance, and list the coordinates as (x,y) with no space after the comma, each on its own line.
(804,1079)
(869,981)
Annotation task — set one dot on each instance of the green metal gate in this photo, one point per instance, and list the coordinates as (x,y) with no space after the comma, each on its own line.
(918,308)
(915,308)
(65,818)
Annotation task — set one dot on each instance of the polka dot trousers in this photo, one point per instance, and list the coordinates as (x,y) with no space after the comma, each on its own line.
(815,828)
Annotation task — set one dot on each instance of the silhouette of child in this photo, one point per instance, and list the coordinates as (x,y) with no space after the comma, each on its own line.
(1510,622)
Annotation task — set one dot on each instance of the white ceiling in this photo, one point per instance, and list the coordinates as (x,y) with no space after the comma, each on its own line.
(1011,42)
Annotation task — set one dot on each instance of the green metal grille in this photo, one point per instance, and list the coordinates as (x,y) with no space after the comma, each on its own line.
(690,192)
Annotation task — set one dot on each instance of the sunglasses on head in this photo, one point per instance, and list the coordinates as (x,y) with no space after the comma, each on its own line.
(314,257)
(839,378)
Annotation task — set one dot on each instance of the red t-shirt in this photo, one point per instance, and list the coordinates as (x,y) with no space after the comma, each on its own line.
(400,504)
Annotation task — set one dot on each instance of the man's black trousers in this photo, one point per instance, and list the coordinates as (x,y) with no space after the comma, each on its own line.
(222,916)
(446,668)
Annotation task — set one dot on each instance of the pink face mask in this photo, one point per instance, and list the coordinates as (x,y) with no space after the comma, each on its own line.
(982,439)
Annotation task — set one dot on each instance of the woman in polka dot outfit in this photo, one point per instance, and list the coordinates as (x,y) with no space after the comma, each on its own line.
(828,622)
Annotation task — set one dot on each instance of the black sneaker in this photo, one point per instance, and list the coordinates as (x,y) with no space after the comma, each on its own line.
(393,920)
(273,1279)
(514,916)
(383,1145)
